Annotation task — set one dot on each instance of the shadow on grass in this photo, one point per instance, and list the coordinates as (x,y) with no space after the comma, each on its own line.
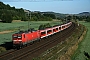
(7,45)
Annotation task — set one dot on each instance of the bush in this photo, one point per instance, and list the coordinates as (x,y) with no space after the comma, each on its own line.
(2,49)
(88,19)
(24,19)
(41,27)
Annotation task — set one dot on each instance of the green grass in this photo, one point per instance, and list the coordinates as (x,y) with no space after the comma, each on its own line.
(6,37)
(84,45)
(24,26)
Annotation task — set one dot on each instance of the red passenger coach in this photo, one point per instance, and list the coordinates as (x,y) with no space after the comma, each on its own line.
(43,33)
(49,32)
(63,27)
(55,29)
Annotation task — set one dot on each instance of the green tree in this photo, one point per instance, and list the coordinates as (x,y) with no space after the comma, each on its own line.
(88,19)
(41,27)
(6,18)
(44,26)
(23,19)
(50,15)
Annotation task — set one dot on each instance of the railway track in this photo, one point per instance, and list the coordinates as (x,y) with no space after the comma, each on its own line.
(35,49)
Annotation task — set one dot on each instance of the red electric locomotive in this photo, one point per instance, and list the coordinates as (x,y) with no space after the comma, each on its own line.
(22,38)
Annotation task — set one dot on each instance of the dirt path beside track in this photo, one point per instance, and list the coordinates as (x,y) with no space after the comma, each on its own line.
(4,32)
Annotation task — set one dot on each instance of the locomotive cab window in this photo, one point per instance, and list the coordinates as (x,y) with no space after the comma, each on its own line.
(14,36)
(17,36)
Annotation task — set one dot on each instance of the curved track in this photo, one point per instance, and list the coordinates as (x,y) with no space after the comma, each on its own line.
(35,49)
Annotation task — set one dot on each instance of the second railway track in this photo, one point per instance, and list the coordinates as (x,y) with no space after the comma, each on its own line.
(35,49)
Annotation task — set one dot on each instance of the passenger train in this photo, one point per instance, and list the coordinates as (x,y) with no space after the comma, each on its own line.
(21,38)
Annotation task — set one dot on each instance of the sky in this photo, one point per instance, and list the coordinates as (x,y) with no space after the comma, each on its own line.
(58,6)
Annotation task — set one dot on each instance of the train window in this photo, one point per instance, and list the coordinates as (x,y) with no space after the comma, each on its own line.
(63,26)
(53,29)
(59,27)
(43,33)
(56,28)
(49,31)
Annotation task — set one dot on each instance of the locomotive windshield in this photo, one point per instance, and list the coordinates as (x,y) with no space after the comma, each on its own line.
(17,36)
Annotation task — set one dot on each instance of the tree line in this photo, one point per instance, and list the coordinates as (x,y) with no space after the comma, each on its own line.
(8,14)
(74,18)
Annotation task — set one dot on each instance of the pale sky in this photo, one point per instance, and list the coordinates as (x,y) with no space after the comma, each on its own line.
(59,6)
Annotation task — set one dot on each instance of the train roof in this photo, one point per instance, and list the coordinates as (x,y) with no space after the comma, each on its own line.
(26,31)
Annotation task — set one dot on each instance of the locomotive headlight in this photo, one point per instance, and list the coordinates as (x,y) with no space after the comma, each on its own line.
(19,37)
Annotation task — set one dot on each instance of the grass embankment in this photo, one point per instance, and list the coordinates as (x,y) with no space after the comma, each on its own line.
(84,46)
(65,49)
